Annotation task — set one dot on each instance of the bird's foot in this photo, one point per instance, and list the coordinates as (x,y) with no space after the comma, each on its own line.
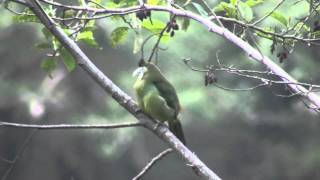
(157,125)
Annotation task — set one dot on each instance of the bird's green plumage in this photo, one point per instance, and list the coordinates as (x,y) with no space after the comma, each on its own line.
(158,98)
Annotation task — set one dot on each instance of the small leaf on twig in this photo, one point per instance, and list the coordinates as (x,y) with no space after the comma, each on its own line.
(279,17)
(49,65)
(68,60)
(245,11)
(88,38)
(118,35)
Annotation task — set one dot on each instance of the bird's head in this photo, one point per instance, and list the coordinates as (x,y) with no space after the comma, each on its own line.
(148,71)
(139,72)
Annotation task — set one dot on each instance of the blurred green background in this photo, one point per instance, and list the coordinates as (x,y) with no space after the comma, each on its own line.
(240,135)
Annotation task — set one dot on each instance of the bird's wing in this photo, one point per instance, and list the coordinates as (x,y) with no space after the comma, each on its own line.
(168,92)
(156,106)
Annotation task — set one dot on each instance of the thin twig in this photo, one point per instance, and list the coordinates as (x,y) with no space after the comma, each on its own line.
(178,12)
(314,41)
(70,126)
(5,160)
(158,41)
(144,43)
(211,12)
(267,15)
(18,155)
(240,89)
(151,163)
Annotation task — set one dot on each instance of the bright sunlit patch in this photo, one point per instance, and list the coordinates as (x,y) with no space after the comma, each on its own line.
(36,108)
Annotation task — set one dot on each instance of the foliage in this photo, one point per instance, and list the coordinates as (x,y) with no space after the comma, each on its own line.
(255,130)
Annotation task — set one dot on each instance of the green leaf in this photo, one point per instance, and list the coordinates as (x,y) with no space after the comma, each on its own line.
(118,35)
(153,2)
(315,34)
(85,35)
(220,7)
(116,1)
(165,38)
(252,3)
(200,9)
(302,26)
(263,35)
(88,38)
(55,44)
(245,11)
(25,18)
(155,27)
(230,9)
(90,28)
(68,60)
(48,65)
(279,17)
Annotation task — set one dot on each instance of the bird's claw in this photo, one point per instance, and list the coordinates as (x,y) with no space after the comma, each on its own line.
(157,125)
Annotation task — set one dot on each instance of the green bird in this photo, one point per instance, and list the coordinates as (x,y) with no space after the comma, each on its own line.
(157,97)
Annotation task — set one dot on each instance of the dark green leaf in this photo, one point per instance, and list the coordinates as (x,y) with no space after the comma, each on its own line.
(118,35)
(25,18)
(48,65)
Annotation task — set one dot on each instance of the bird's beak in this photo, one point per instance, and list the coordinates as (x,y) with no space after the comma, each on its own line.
(139,72)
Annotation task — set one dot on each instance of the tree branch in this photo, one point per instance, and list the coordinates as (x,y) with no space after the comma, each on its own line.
(121,97)
(151,163)
(18,155)
(212,27)
(70,126)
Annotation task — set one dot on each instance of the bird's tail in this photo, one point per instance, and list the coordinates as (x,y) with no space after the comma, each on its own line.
(176,128)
